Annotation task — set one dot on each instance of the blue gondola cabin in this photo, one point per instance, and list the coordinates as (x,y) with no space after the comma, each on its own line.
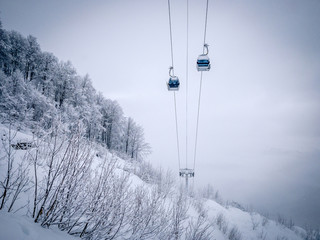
(203,63)
(173,84)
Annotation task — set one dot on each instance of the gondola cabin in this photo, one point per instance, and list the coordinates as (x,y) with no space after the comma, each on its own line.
(203,63)
(173,84)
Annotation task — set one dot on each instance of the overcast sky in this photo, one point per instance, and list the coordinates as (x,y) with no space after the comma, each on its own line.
(259,130)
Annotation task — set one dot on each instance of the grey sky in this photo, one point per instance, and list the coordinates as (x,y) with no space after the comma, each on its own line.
(259,129)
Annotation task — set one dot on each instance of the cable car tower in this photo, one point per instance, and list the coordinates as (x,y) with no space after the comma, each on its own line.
(186,173)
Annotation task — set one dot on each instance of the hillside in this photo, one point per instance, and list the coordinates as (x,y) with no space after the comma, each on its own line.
(16,227)
(87,191)
(37,90)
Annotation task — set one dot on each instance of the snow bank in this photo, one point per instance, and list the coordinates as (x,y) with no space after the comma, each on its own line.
(15,227)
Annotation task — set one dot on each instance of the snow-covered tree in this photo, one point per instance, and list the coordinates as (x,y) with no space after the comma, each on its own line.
(35,88)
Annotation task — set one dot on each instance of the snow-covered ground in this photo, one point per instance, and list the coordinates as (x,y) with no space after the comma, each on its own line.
(250,225)
(224,221)
(16,227)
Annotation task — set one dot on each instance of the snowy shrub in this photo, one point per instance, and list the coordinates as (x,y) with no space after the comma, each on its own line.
(313,234)
(255,222)
(237,205)
(285,222)
(15,179)
(179,211)
(199,229)
(209,192)
(148,216)
(166,183)
(225,228)
(234,234)
(264,221)
(146,172)
(290,224)
(222,223)
(262,235)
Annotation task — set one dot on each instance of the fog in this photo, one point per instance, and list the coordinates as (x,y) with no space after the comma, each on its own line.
(259,130)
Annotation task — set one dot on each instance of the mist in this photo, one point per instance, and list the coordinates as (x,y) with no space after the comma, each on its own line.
(259,130)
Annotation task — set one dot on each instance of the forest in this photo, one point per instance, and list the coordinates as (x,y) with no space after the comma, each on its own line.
(36,90)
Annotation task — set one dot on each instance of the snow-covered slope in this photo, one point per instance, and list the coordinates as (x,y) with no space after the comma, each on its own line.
(193,217)
(248,225)
(16,227)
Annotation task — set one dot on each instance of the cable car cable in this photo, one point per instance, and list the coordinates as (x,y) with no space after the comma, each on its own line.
(170,36)
(187,77)
(174,94)
(197,125)
(199,100)
(205,26)
(177,132)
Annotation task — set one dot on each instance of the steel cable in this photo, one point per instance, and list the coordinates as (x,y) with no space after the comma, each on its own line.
(199,100)
(174,94)
(187,77)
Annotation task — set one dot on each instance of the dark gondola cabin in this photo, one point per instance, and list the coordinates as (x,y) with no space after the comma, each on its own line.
(203,63)
(173,84)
